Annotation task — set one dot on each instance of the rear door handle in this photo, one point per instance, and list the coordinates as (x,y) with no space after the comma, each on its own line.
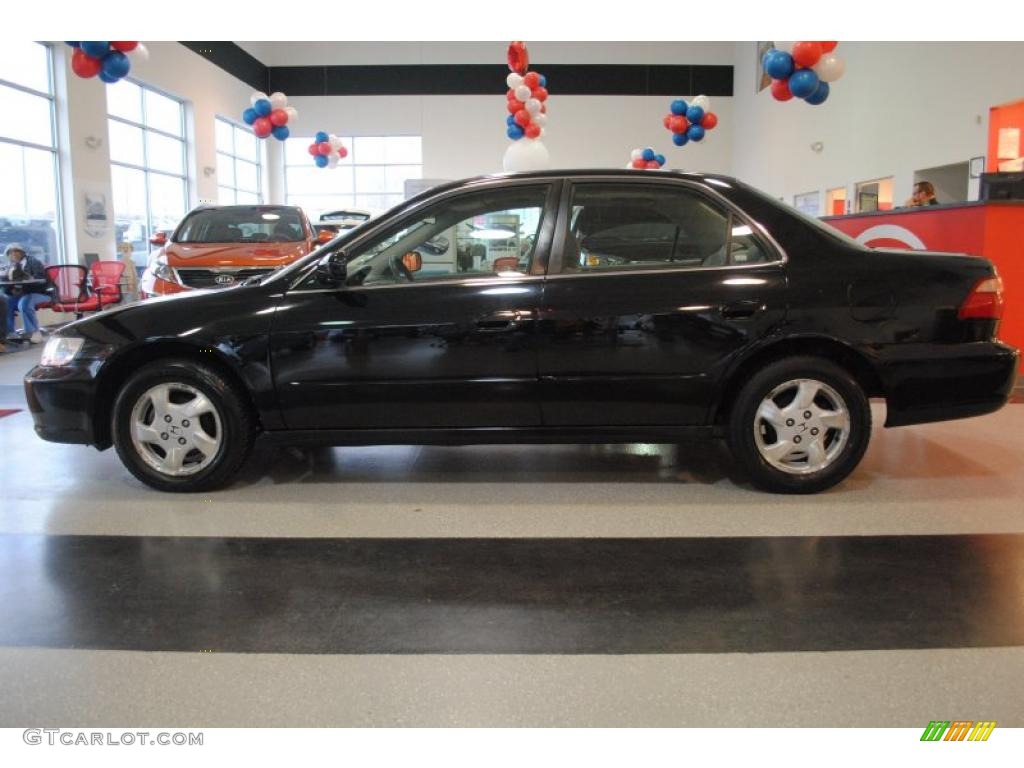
(738,310)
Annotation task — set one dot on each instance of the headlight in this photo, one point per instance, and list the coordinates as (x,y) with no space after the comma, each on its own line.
(162,270)
(61,350)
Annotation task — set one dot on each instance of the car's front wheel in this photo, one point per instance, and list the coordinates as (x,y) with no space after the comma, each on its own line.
(799,425)
(181,426)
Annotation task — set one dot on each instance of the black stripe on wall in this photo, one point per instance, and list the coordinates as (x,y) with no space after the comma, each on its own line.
(466,79)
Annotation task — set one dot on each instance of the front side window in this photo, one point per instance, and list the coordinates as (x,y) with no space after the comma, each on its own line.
(477,235)
(626,227)
(29,200)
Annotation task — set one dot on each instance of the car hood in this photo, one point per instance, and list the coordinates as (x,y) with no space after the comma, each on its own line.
(233,254)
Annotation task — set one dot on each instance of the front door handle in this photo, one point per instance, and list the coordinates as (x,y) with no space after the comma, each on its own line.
(499,321)
(739,310)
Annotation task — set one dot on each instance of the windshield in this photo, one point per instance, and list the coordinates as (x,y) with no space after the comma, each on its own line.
(242,224)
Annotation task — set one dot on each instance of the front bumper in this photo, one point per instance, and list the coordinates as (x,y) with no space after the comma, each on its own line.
(938,382)
(62,402)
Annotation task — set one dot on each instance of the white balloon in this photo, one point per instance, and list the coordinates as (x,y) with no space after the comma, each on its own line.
(292,113)
(636,154)
(523,92)
(541,119)
(513,80)
(701,101)
(334,141)
(256,97)
(141,53)
(526,155)
(830,67)
(533,107)
(332,160)
(278,100)
(785,45)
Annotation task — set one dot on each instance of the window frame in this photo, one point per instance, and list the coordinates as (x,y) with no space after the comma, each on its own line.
(734,215)
(235,160)
(54,147)
(145,168)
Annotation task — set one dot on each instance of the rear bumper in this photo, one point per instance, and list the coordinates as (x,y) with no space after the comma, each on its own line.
(933,382)
(62,401)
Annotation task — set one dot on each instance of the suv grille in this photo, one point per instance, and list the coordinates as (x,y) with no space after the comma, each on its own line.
(217,278)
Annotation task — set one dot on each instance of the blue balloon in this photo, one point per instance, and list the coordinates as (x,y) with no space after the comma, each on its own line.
(510,120)
(766,54)
(320,160)
(695,114)
(107,78)
(280,132)
(648,154)
(116,65)
(321,137)
(803,83)
(679,139)
(778,64)
(96,49)
(660,159)
(819,95)
(249,116)
(543,82)
(678,107)
(515,132)
(263,107)
(73,45)
(695,132)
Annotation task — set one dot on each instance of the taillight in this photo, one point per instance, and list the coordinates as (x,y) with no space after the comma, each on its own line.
(985,301)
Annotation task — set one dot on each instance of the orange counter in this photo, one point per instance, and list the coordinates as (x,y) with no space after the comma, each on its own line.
(994,230)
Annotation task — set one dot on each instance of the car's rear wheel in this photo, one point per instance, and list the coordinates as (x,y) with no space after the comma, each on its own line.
(181,426)
(800,425)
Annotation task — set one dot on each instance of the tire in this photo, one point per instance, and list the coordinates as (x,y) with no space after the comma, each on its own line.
(180,426)
(805,444)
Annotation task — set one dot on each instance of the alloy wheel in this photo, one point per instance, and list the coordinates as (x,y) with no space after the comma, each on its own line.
(176,429)
(802,426)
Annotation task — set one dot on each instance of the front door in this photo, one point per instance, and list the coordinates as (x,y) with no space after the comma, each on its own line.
(435,326)
(654,287)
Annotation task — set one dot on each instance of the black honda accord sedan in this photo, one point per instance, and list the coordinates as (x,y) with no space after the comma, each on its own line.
(573,307)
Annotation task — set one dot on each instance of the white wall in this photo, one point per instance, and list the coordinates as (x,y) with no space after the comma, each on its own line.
(900,107)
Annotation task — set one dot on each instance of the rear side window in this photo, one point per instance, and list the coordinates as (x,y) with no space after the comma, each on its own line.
(628,227)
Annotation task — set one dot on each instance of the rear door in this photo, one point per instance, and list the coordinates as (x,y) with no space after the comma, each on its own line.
(654,287)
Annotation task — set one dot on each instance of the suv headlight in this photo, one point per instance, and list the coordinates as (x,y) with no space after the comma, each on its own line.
(61,350)
(164,271)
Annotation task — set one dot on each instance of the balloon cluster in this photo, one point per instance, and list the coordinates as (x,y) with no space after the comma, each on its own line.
(527,113)
(803,70)
(645,158)
(690,122)
(269,115)
(108,60)
(327,150)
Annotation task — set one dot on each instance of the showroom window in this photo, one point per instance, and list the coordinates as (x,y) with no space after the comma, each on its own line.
(808,202)
(625,227)
(371,177)
(29,190)
(239,164)
(146,131)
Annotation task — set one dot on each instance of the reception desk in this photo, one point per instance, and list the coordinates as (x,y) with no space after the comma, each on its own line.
(994,230)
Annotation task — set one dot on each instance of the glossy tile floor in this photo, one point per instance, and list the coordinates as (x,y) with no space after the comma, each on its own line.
(565,585)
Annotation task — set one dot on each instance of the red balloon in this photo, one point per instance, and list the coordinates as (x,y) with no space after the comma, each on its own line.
(543,109)
(314,149)
(342,152)
(678,124)
(806,53)
(278,117)
(515,106)
(780,90)
(710,120)
(540,94)
(510,94)
(532,131)
(262,127)
(84,65)
(518,58)
(653,165)
(125,47)
(828,46)
(522,118)
(324,147)
(531,80)
(667,120)
(639,163)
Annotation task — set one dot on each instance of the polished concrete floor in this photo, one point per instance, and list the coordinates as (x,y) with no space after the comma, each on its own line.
(562,585)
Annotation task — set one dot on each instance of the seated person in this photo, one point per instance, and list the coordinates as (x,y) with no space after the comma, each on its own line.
(924,194)
(25,299)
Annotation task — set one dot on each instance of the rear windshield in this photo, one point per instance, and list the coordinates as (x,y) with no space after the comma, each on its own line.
(241,224)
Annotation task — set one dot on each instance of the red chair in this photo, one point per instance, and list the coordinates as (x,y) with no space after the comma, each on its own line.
(105,280)
(70,294)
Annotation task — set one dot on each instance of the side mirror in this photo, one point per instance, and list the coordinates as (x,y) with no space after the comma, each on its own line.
(413,261)
(332,270)
(159,239)
(325,236)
